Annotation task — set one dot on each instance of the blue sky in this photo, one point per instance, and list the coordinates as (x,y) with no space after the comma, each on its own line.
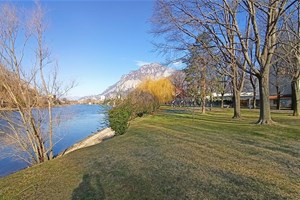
(96,42)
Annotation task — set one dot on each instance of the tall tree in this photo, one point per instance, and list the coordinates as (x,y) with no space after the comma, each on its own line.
(279,80)
(296,74)
(196,77)
(28,130)
(264,18)
(181,22)
(222,86)
(232,24)
(290,54)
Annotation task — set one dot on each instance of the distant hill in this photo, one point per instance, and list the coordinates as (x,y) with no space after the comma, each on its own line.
(9,78)
(130,81)
(22,89)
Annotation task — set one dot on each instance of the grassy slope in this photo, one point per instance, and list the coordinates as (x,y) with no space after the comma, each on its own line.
(175,154)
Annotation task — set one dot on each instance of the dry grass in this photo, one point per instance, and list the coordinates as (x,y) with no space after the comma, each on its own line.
(175,154)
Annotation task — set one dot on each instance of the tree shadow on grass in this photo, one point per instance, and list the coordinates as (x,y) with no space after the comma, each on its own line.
(89,188)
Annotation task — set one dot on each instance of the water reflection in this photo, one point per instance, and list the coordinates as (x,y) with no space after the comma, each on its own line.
(76,123)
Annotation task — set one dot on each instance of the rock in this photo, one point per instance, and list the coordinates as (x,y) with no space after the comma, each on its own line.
(91,140)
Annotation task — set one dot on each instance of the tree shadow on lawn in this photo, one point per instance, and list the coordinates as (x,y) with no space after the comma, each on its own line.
(176,111)
(89,188)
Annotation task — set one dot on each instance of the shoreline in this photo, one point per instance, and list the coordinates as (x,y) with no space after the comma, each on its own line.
(37,107)
(93,139)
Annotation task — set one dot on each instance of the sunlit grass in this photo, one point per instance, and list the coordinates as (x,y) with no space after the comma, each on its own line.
(176,154)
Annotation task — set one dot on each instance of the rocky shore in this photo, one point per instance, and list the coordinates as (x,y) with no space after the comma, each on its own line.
(91,140)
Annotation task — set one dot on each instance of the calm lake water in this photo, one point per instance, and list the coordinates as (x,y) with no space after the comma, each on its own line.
(78,122)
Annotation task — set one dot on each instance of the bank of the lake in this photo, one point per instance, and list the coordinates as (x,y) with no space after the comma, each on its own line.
(175,154)
(93,139)
(77,123)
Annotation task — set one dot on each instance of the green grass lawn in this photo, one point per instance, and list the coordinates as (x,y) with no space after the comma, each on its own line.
(175,154)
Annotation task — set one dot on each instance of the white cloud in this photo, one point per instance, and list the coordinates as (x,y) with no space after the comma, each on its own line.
(177,64)
(141,63)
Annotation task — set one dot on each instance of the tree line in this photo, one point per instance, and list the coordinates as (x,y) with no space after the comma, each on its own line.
(231,40)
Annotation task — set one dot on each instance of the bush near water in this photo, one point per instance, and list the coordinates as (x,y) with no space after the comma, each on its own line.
(143,100)
(119,117)
(135,105)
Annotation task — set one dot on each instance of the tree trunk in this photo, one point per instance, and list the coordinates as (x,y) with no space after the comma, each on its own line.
(278,102)
(236,97)
(278,98)
(39,140)
(203,87)
(296,97)
(222,100)
(211,102)
(296,80)
(203,106)
(254,99)
(50,129)
(252,81)
(236,104)
(265,112)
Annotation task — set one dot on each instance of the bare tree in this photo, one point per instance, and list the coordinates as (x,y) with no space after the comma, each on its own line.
(279,80)
(252,78)
(177,79)
(232,24)
(290,54)
(264,18)
(183,21)
(222,85)
(296,71)
(48,88)
(29,129)
(253,82)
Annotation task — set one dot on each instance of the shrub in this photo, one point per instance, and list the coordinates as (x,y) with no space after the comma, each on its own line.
(144,100)
(142,103)
(135,105)
(119,117)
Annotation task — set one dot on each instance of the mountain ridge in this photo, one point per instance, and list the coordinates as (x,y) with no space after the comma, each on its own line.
(130,81)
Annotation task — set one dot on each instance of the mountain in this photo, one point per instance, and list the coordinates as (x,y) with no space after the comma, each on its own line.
(130,81)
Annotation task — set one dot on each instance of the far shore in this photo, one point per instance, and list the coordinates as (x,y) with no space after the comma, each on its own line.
(16,109)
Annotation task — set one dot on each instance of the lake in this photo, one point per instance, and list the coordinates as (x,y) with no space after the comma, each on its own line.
(78,122)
